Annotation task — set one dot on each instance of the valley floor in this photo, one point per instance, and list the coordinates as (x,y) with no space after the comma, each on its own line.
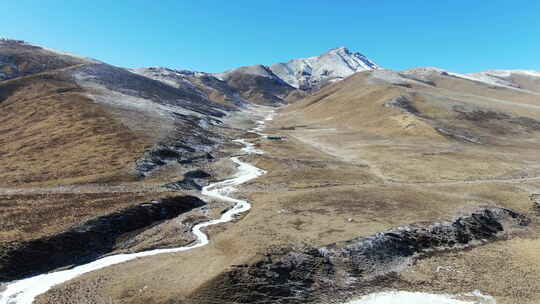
(320,190)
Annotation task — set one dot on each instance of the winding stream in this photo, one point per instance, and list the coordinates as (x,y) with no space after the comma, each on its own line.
(26,290)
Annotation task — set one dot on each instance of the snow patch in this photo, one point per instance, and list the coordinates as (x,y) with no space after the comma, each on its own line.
(406,297)
(501,78)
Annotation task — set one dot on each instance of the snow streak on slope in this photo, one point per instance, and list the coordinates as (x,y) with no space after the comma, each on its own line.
(175,78)
(204,84)
(255,70)
(26,290)
(523,79)
(313,72)
(404,297)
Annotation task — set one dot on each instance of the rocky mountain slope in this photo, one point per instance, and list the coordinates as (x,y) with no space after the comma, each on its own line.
(269,85)
(314,72)
(259,84)
(58,88)
(81,138)
(238,87)
(203,84)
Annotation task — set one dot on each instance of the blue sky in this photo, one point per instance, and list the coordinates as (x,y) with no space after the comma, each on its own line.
(212,36)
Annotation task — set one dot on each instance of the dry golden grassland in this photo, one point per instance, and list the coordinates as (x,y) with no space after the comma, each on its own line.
(308,197)
(29,216)
(60,137)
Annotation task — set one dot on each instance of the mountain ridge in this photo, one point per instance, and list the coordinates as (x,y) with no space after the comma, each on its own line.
(275,84)
(314,72)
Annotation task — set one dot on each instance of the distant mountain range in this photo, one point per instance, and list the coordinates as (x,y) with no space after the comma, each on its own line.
(314,72)
(275,84)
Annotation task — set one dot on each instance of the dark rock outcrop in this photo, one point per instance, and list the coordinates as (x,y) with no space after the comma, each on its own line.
(299,276)
(192,141)
(460,134)
(86,242)
(193,180)
(404,104)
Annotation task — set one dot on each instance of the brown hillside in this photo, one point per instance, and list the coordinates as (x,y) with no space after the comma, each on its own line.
(413,131)
(52,134)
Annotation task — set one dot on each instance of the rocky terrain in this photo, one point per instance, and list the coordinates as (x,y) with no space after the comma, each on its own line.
(83,141)
(267,85)
(315,72)
(259,84)
(421,180)
(204,84)
(310,274)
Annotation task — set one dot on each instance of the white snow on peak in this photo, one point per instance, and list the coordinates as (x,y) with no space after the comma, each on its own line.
(256,70)
(313,72)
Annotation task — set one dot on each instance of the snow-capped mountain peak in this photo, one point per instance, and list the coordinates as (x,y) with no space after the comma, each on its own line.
(313,72)
(266,84)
